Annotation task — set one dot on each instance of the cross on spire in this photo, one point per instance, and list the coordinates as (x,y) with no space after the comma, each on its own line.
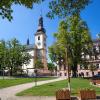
(41,22)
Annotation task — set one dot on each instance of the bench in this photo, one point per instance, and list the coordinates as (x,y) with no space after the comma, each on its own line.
(95,82)
(87,94)
(63,95)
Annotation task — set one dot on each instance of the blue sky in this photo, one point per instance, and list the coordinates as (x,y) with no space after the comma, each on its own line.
(25,22)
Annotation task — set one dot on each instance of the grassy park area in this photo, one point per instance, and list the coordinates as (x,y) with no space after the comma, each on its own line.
(51,88)
(11,82)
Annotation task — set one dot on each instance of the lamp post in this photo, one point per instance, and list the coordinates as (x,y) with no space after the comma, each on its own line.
(3,72)
(35,77)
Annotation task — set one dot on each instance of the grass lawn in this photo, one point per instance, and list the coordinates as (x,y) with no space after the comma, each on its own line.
(51,88)
(11,82)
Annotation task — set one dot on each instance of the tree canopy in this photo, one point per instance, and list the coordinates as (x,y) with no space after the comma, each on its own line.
(13,55)
(63,8)
(73,37)
(6,6)
(51,67)
(38,64)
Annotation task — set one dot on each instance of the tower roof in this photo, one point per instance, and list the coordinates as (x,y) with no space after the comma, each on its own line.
(28,42)
(40,26)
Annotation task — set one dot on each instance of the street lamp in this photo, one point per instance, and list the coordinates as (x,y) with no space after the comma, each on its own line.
(35,77)
(3,72)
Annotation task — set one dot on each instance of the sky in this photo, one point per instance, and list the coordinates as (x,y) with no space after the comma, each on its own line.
(25,22)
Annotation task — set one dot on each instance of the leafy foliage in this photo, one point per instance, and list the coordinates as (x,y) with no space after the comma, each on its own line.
(3,53)
(38,64)
(13,55)
(63,8)
(92,67)
(6,10)
(51,66)
(57,54)
(73,38)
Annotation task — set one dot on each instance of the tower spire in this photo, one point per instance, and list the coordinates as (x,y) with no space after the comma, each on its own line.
(40,25)
(28,41)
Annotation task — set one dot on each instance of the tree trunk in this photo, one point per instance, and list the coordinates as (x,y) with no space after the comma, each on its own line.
(92,73)
(11,72)
(74,69)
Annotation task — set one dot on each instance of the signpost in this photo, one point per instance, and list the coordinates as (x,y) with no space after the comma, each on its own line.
(35,77)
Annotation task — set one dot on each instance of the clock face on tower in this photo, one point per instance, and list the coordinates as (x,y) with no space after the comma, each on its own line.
(39,43)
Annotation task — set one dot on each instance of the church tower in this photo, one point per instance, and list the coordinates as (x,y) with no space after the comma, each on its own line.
(40,43)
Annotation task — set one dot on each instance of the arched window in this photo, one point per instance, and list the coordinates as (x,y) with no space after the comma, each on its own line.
(38,37)
(97,66)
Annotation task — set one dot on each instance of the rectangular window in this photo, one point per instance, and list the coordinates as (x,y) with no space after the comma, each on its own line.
(92,73)
(98,73)
(60,74)
(97,66)
(87,74)
(65,74)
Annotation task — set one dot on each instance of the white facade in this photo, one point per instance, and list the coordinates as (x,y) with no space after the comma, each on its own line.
(30,65)
(38,50)
(29,68)
(40,41)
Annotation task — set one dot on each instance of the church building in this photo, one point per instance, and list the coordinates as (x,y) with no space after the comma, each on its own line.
(37,50)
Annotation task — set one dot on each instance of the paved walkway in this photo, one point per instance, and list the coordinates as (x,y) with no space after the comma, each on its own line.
(9,93)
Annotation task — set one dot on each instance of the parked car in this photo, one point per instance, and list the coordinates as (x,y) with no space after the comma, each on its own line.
(96,77)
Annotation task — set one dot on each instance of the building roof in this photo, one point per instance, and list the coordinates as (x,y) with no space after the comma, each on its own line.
(29,47)
(96,40)
(41,29)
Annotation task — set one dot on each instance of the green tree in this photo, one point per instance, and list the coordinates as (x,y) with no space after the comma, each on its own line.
(38,64)
(73,36)
(64,8)
(17,55)
(37,59)
(92,67)
(51,67)
(3,53)
(57,54)
(13,55)
(6,6)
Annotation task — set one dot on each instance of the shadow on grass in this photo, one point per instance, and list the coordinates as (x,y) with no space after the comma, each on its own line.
(74,93)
